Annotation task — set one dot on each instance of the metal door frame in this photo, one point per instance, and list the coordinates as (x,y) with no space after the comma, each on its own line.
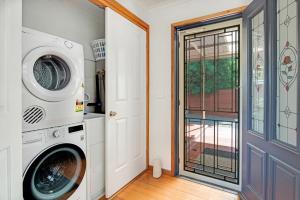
(219,23)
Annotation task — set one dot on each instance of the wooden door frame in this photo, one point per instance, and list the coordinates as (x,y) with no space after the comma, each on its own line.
(174,27)
(117,7)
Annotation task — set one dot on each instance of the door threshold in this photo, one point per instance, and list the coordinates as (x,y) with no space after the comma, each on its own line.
(225,189)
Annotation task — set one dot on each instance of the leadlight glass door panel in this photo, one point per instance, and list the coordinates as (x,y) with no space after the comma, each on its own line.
(258,72)
(210,113)
(287,72)
(271,154)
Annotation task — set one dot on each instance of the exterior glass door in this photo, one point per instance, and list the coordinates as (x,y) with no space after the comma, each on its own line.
(271,141)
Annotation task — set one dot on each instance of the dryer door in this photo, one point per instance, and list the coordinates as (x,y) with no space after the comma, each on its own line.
(51,74)
(55,174)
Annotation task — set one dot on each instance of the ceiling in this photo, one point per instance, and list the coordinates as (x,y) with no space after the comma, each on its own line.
(154,3)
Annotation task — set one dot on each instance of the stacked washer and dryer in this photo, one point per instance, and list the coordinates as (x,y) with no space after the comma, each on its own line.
(54,139)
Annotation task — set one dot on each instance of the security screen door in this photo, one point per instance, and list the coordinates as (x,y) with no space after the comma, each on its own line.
(271,141)
(209,112)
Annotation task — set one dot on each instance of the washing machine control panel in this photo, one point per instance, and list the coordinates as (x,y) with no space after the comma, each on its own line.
(64,132)
(74,129)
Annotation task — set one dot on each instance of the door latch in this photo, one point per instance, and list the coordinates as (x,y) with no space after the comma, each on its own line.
(112,114)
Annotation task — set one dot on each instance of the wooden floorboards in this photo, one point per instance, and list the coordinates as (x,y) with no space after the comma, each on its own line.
(170,188)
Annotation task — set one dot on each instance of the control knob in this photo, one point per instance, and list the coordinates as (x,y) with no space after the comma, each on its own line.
(56,134)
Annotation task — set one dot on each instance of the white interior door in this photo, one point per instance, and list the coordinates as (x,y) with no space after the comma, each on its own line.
(125,102)
(10,100)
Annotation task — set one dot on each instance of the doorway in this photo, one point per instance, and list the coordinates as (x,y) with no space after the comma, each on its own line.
(209,110)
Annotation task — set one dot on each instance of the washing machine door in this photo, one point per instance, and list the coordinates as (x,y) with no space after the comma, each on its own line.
(55,174)
(51,74)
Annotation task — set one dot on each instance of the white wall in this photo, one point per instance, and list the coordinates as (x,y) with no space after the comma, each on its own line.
(76,20)
(160,19)
(135,6)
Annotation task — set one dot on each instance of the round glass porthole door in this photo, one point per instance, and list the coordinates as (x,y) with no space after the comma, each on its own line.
(55,174)
(52,73)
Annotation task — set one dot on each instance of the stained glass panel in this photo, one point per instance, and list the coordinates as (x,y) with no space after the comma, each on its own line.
(287,71)
(258,72)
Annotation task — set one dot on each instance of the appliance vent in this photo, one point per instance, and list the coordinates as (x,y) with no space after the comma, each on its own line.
(33,115)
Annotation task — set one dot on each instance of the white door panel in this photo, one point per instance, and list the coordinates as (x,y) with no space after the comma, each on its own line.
(10,100)
(126,96)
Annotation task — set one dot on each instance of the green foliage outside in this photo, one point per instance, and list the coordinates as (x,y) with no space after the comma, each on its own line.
(221,76)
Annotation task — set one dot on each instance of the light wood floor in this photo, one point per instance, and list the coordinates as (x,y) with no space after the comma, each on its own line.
(170,188)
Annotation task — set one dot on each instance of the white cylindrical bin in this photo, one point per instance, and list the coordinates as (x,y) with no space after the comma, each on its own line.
(157,171)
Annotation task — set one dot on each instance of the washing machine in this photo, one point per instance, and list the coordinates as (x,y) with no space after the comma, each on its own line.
(54,163)
(53,81)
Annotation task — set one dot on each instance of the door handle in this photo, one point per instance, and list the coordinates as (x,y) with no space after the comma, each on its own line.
(112,114)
